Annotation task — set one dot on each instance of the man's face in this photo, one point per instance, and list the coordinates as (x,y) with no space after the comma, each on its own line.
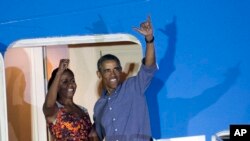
(110,74)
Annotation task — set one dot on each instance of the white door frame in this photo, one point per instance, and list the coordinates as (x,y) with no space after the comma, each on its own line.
(3,104)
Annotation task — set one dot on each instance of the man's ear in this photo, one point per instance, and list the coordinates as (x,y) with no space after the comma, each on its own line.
(99,74)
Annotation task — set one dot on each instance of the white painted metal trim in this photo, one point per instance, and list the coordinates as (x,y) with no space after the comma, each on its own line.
(86,39)
(4,136)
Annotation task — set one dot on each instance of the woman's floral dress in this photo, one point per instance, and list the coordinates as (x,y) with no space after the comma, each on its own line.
(70,127)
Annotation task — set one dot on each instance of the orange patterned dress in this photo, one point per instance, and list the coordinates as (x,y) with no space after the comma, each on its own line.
(70,127)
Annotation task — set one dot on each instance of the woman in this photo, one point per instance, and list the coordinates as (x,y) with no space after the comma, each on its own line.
(65,120)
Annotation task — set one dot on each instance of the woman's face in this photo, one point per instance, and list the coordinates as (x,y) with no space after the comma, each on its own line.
(67,85)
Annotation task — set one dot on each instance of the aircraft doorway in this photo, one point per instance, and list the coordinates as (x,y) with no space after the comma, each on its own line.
(29,63)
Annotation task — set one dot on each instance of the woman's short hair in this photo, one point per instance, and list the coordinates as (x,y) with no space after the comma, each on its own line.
(53,75)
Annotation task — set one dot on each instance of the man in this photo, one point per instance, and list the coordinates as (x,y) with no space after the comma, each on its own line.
(121,113)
